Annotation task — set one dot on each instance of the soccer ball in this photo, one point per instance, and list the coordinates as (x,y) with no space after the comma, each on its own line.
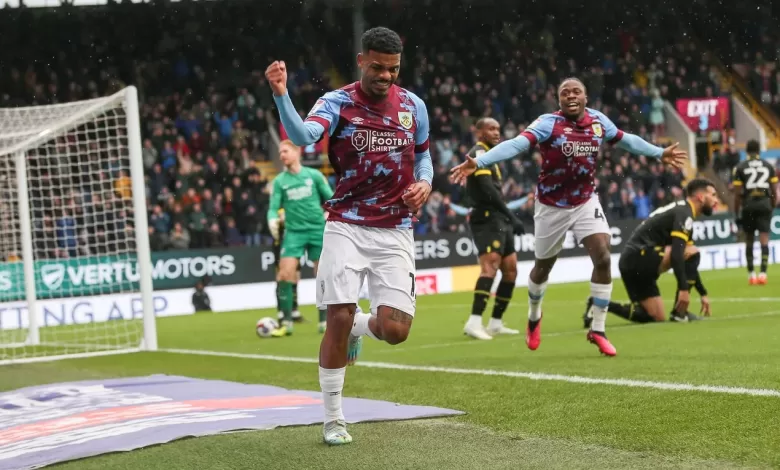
(265,326)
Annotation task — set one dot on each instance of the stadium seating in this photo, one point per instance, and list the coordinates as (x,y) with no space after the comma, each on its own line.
(207,112)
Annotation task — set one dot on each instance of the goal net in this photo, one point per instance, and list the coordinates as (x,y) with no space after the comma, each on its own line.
(75,267)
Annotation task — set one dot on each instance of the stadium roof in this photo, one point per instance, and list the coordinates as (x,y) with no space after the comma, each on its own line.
(57,3)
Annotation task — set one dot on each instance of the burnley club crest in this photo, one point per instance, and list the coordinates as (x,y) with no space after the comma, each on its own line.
(597,130)
(405,118)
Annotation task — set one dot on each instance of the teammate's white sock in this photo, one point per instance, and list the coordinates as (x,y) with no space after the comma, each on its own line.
(601,294)
(360,325)
(535,295)
(495,323)
(332,384)
(474,320)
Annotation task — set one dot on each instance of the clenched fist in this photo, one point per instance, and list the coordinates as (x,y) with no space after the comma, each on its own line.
(276,74)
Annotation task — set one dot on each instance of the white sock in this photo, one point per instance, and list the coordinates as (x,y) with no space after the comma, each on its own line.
(495,323)
(601,294)
(535,296)
(332,384)
(474,320)
(360,325)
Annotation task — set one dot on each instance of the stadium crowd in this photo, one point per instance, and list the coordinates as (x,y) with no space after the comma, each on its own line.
(206,108)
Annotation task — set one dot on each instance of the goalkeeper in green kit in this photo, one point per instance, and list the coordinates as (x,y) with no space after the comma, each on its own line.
(300,191)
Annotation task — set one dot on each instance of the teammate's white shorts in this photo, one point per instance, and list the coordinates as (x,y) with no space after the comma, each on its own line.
(382,256)
(551,224)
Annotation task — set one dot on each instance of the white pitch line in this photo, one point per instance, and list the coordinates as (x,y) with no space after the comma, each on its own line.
(677,387)
(714,300)
(516,338)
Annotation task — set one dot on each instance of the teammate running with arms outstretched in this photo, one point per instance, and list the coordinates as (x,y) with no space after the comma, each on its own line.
(569,141)
(493,227)
(663,242)
(300,191)
(755,191)
(379,150)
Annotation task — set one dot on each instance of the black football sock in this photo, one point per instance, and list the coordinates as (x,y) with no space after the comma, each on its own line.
(630,311)
(295,296)
(481,295)
(621,310)
(503,296)
(640,315)
(764,257)
(749,258)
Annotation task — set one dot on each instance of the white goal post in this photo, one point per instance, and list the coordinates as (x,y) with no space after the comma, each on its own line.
(75,263)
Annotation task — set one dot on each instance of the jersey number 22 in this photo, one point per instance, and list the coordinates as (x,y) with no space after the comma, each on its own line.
(758,178)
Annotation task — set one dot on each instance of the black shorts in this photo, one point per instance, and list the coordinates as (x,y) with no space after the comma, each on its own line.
(494,237)
(756,219)
(639,271)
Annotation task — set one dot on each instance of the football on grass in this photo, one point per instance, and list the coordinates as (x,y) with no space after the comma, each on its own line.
(265,326)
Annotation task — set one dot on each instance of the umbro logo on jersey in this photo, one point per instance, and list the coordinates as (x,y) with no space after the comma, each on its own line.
(357,120)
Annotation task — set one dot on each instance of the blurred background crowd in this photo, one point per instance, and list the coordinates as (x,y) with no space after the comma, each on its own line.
(209,123)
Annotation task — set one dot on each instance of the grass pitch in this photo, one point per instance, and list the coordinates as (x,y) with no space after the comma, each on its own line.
(537,410)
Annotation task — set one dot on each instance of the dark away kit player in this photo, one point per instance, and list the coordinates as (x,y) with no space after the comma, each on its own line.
(493,227)
(661,242)
(755,194)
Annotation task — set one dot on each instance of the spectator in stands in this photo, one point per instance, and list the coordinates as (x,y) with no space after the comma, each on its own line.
(206,114)
(180,237)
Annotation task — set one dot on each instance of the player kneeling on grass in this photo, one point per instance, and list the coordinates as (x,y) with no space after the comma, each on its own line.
(300,191)
(659,243)
(493,227)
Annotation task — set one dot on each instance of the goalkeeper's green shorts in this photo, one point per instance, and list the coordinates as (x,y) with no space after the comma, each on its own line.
(295,244)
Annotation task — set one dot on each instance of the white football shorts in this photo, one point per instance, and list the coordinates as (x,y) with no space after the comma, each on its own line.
(551,224)
(353,253)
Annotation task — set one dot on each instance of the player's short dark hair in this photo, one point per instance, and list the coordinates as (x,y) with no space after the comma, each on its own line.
(575,79)
(382,40)
(482,121)
(753,147)
(698,184)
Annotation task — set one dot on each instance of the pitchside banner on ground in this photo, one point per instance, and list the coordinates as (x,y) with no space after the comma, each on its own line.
(54,423)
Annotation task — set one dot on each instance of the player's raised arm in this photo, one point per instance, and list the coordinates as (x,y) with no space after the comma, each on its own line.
(273,208)
(418,192)
(638,146)
(301,132)
(539,131)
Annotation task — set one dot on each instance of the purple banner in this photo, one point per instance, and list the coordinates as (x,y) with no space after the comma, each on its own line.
(48,424)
